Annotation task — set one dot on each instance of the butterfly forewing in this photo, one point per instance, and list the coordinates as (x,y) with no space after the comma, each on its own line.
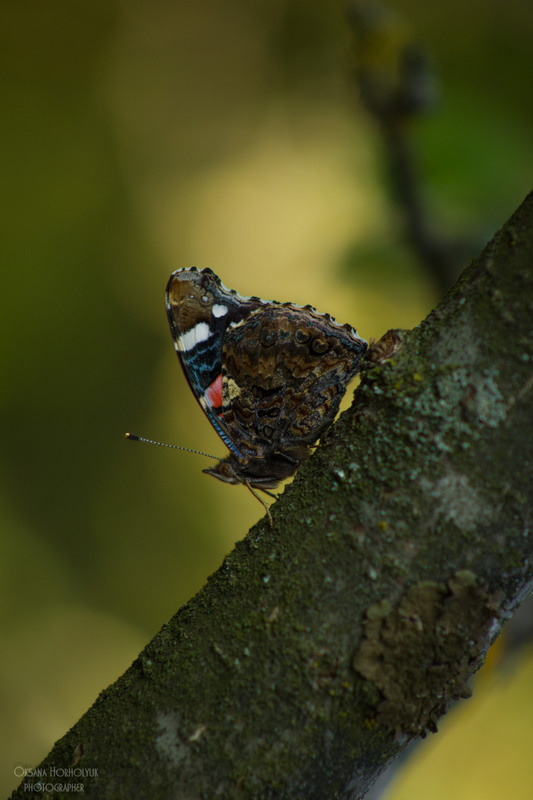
(199,310)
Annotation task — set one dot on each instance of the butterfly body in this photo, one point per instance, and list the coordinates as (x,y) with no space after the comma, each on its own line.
(269,376)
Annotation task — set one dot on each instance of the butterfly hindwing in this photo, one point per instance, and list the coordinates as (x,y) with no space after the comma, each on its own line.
(285,371)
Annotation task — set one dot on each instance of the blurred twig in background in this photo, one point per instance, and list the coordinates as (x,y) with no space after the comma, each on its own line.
(396,83)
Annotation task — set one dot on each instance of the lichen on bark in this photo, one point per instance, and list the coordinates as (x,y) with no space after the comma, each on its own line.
(421,653)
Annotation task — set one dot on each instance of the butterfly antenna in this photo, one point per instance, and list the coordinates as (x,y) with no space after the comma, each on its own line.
(135,438)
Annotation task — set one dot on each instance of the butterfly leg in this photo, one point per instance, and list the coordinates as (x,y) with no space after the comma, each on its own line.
(270,494)
(261,501)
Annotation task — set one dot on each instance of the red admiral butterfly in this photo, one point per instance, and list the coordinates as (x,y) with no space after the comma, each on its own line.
(269,376)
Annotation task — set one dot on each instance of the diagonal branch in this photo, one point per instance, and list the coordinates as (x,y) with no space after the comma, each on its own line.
(325,643)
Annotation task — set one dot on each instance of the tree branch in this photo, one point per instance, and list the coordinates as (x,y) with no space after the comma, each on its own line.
(324,644)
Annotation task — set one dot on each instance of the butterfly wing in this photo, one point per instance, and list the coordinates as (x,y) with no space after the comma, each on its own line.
(285,370)
(199,310)
(269,376)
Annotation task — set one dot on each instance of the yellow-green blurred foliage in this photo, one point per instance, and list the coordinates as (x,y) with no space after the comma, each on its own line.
(141,137)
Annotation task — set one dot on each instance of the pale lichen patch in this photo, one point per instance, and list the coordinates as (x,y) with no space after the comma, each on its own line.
(455,500)
(169,743)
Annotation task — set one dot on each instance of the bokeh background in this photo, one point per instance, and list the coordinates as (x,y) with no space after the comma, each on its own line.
(137,138)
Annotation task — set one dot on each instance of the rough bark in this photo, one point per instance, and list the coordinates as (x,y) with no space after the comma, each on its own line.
(325,643)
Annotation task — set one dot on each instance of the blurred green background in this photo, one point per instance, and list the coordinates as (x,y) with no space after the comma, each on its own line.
(137,138)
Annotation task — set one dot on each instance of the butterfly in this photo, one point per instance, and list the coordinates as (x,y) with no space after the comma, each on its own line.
(269,376)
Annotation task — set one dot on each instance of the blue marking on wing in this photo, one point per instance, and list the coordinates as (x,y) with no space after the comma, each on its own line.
(201,367)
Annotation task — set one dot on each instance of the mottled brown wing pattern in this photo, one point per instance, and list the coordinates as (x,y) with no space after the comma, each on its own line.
(285,371)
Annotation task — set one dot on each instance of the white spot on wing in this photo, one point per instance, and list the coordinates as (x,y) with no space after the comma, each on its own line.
(189,340)
(219,310)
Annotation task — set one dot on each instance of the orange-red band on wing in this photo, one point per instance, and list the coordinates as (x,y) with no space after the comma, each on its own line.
(213,393)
